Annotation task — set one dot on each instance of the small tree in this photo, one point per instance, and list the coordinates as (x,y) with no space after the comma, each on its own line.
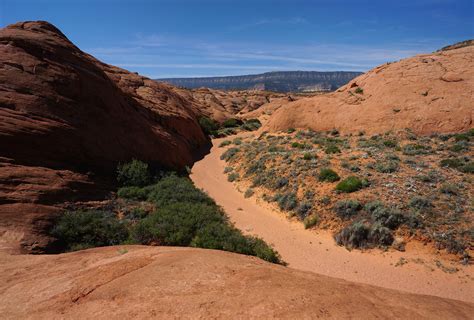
(134,173)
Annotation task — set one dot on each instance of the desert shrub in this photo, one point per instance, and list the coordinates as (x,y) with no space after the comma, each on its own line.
(134,193)
(467,167)
(390,143)
(135,214)
(303,209)
(431,176)
(347,208)
(308,156)
(450,241)
(256,166)
(281,182)
(449,188)
(173,189)
(225,143)
(286,201)
(228,169)
(291,130)
(198,225)
(237,141)
(359,90)
(459,146)
(231,177)
(176,224)
(387,166)
(387,217)
(229,154)
(248,193)
(251,125)
(461,137)
(451,163)
(350,184)
(134,173)
(208,125)
(353,236)
(310,221)
(331,149)
(380,235)
(77,230)
(231,123)
(360,235)
(420,203)
(329,175)
(224,132)
(415,149)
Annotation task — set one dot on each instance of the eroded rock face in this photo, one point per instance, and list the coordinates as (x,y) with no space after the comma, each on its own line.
(142,282)
(66,118)
(429,93)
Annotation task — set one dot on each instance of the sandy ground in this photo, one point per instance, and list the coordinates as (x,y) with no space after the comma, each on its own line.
(316,251)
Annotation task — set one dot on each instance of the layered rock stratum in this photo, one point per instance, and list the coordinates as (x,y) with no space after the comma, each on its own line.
(428,93)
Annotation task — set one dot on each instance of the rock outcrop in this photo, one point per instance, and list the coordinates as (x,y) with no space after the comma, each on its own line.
(66,119)
(186,283)
(428,93)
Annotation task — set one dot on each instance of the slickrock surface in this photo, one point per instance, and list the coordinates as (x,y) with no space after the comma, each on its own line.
(428,93)
(166,282)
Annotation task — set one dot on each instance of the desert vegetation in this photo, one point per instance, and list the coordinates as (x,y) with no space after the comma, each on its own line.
(161,208)
(369,190)
(228,127)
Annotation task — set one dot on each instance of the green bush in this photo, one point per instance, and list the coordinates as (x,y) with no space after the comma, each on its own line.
(353,236)
(360,235)
(390,143)
(286,201)
(350,184)
(309,156)
(231,177)
(310,221)
(451,163)
(173,189)
(231,123)
(225,143)
(380,235)
(208,125)
(134,173)
(359,90)
(326,174)
(387,166)
(134,193)
(387,217)
(420,203)
(303,209)
(77,230)
(198,225)
(347,208)
(251,125)
(248,193)
(229,154)
(332,148)
(415,149)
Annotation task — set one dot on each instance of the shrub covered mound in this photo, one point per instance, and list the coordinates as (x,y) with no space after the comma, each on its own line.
(422,183)
(184,216)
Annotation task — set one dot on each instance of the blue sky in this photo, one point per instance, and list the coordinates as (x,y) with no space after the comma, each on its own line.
(186,38)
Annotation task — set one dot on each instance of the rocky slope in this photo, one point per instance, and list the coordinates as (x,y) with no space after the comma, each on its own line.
(427,93)
(221,105)
(282,81)
(166,282)
(66,119)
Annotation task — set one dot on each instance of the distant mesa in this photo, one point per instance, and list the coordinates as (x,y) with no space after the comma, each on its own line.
(281,81)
